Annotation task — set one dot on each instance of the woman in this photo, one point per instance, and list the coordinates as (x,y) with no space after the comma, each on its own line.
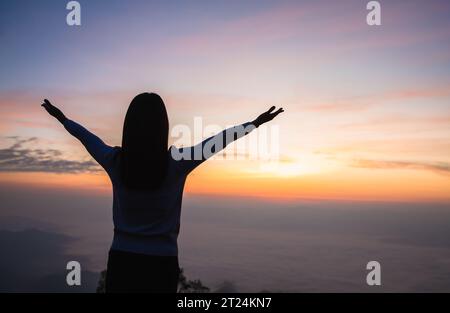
(148,181)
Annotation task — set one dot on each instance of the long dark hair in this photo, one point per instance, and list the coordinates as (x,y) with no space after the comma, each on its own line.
(143,158)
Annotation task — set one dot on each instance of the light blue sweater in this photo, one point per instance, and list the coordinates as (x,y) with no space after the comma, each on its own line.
(148,222)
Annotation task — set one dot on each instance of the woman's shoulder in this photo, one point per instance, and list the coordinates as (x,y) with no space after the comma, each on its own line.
(115,152)
(113,156)
(174,160)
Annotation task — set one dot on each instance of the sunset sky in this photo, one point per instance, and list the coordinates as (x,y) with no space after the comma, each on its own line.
(367,107)
(364,143)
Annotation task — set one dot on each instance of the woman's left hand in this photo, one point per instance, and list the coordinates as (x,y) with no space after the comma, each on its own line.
(267,116)
(53,111)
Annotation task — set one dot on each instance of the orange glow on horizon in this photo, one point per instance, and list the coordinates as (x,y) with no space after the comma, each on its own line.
(89,182)
(213,179)
(344,184)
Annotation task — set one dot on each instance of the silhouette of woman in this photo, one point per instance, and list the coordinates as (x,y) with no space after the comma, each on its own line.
(148,181)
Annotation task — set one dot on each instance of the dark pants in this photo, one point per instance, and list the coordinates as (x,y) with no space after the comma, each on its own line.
(134,272)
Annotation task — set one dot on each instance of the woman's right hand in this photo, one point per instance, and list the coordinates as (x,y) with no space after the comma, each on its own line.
(267,116)
(53,111)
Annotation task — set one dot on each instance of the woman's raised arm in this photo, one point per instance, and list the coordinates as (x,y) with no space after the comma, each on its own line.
(191,157)
(100,151)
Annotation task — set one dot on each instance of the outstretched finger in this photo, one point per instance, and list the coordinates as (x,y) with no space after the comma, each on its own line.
(280,110)
(271,109)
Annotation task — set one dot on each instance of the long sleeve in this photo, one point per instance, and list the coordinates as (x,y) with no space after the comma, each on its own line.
(100,151)
(191,157)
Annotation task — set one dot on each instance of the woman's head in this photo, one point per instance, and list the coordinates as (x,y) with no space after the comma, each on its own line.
(143,161)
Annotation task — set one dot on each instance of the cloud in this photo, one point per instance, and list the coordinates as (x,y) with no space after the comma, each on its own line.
(226,287)
(20,110)
(262,27)
(438,167)
(351,104)
(360,103)
(35,261)
(316,246)
(18,158)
